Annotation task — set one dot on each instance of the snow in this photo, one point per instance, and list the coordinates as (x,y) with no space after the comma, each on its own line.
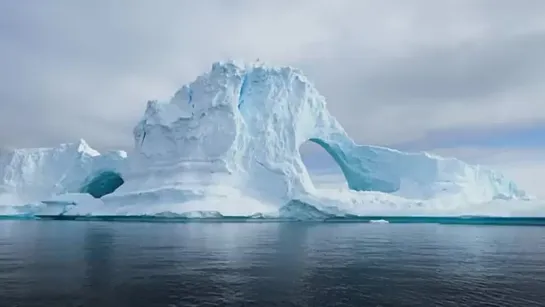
(227,144)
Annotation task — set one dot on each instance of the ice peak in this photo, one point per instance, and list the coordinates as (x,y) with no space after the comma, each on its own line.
(228,68)
(83,146)
(80,146)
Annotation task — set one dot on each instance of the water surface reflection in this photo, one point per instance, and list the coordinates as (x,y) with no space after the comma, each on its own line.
(54,263)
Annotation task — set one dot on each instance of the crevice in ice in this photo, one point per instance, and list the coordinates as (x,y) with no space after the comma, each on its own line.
(189,95)
(242,90)
(101,184)
(143,138)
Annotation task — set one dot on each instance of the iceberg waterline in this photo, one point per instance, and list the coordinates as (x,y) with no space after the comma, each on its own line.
(227,144)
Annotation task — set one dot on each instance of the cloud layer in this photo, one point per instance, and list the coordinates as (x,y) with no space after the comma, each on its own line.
(422,72)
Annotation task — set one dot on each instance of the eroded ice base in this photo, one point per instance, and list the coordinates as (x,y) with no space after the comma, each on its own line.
(332,199)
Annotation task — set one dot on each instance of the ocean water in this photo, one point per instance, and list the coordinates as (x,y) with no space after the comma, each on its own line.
(94,263)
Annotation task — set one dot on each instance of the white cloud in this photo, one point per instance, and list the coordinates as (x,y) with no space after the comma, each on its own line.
(393,71)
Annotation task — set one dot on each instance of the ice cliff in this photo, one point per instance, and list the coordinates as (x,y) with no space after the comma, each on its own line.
(229,142)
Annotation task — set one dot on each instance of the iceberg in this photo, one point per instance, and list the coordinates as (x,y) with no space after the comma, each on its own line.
(28,176)
(227,144)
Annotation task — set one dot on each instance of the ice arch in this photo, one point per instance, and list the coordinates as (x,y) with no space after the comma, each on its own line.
(357,175)
(103,183)
(323,170)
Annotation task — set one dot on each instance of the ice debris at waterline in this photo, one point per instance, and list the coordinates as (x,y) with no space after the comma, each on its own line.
(227,144)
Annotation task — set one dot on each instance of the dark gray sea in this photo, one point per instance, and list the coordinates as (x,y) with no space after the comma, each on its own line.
(76,263)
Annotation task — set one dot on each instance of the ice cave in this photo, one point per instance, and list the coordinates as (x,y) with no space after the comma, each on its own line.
(103,183)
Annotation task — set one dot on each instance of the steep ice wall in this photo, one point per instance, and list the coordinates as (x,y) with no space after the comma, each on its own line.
(243,126)
(31,175)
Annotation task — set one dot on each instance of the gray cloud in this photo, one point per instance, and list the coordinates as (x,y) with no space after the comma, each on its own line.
(392,71)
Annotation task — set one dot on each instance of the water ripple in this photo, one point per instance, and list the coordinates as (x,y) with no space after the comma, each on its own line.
(271,264)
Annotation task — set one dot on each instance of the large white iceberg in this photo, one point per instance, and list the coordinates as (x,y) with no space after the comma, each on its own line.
(228,144)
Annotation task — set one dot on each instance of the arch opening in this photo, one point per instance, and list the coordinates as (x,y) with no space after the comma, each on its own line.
(103,183)
(324,170)
(356,169)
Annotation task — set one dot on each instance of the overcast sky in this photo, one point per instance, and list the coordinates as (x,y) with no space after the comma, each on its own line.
(460,77)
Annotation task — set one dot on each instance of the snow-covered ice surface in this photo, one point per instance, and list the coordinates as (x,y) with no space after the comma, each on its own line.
(228,144)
